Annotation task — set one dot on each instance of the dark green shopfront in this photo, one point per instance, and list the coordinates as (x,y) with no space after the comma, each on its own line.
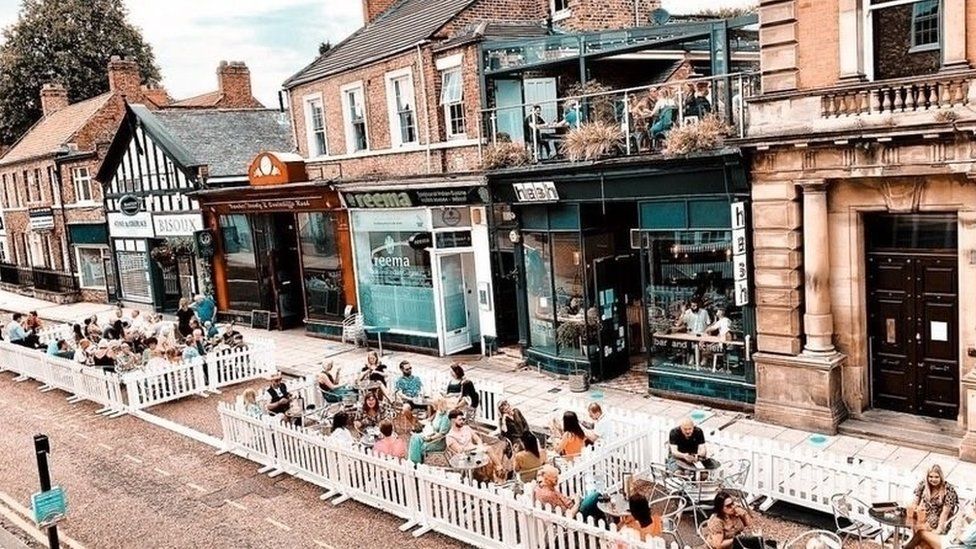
(629,265)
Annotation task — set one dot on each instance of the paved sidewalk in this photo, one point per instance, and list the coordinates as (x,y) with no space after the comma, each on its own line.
(537,394)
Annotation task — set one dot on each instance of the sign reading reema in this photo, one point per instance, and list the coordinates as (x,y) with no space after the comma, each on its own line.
(412,198)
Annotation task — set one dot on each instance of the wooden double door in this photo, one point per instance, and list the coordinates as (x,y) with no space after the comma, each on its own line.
(913,330)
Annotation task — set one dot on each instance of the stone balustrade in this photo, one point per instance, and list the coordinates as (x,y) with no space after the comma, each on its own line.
(897,96)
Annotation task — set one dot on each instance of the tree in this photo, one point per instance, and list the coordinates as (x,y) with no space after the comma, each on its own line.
(65,41)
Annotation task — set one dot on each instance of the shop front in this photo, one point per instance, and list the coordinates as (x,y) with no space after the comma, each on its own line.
(280,248)
(421,261)
(632,264)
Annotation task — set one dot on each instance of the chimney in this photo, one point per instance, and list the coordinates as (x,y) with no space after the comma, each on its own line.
(234,85)
(53,98)
(156,94)
(123,77)
(373,8)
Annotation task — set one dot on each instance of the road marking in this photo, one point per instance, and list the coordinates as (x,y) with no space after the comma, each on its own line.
(284,527)
(40,417)
(162,472)
(81,435)
(322,544)
(196,487)
(132,458)
(235,504)
(106,446)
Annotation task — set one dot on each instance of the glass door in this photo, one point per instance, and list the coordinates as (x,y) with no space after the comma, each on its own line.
(455,330)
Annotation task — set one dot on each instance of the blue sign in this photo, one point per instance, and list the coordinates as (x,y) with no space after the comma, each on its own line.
(49,507)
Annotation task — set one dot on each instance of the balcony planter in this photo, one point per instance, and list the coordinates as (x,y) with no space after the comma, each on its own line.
(505,154)
(593,141)
(707,134)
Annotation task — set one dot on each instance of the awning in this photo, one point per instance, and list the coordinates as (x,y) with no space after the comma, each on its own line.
(88,233)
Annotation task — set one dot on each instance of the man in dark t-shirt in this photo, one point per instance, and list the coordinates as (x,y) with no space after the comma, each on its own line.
(686,443)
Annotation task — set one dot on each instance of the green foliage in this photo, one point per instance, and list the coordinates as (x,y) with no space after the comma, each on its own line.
(66,41)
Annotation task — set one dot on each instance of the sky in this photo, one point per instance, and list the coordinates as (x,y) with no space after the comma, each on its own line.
(276,38)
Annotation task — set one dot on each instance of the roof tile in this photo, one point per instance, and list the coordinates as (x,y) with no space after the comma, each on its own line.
(51,133)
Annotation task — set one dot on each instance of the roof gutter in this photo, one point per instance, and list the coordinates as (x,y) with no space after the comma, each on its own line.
(423,86)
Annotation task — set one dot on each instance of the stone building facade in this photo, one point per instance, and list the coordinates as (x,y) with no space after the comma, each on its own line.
(863,208)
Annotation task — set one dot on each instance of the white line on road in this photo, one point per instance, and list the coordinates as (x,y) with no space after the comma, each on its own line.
(198,488)
(106,446)
(81,435)
(133,458)
(40,417)
(284,527)
(322,544)
(235,504)
(162,472)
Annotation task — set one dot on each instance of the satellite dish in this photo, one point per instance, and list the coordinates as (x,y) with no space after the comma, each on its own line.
(660,16)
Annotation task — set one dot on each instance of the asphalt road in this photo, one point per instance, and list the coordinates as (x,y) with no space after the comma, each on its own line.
(134,485)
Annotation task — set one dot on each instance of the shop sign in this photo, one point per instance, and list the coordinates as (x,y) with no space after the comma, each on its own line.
(420,241)
(413,198)
(740,253)
(130,204)
(177,225)
(139,225)
(538,191)
(41,219)
(283,204)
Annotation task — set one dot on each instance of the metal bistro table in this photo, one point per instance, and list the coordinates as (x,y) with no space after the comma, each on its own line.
(468,462)
(712,466)
(896,519)
(379,331)
(617,506)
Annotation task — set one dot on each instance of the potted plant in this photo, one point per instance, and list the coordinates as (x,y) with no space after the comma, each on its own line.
(505,154)
(707,134)
(592,141)
(163,255)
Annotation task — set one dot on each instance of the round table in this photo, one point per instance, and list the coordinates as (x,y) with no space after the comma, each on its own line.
(692,468)
(617,506)
(897,519)
(379,331)
(467,462)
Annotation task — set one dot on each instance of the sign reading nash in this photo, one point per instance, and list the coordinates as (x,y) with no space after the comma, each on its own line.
(539,191)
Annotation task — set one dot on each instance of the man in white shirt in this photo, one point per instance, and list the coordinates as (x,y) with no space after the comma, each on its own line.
(602,430)
(695,319)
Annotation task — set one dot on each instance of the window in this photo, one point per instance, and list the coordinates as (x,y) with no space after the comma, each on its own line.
(321,265)
(91,268)
(242,270)
(452,95)
(6,196)
(53,187)
(355,116)
(559,6)
(315,126)
(925,23)
(30,186)
(81,180)
(403,123)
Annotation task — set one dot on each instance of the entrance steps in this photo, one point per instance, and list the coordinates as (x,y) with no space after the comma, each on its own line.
(507,359)
(924,433)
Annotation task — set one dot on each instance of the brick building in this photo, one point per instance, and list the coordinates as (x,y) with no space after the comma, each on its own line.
(55,239)
(863,161)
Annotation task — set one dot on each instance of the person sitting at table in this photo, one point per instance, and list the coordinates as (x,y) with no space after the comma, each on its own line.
(728,521)
(640,520)
(408,386)
(370,414)
(125,359)
(511,422)
(663,113)
(599,429)
(92,330)
(463,388)
(686,443)
(329,386)
(534,124)
(574,439)
(406,422)
(251,406)
(722,327)
(82,351)
(190,350)
(695,319)
(962,531)
(571,116)
(103,357)
(461,438)
(59,348)
(697,103)
(373,370)
(530,458)
(938,499)
(280,399)
(547,493)
(390,444)
(340,429)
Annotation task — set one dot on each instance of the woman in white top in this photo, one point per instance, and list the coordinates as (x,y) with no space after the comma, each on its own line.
(722,327)
(340,429)
(81,352)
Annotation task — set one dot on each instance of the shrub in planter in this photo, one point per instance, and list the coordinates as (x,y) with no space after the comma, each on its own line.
(592,141)
(163,255)
(505,155)
(706,134)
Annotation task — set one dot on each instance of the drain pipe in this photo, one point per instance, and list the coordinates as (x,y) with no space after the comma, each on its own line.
(423,86)
(636,13)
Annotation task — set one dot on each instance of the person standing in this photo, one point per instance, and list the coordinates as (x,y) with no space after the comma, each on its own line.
(183,316)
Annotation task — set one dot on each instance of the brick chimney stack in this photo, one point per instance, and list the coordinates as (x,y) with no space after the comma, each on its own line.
(373,8)
(53,98)
(123,77)
(234,81)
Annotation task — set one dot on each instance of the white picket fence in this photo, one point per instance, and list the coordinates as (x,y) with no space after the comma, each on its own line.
(490,393)
(425,498)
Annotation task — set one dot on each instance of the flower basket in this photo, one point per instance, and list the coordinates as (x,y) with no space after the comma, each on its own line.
(163,255)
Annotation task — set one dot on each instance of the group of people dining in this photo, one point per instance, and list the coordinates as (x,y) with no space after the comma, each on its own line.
(129,340)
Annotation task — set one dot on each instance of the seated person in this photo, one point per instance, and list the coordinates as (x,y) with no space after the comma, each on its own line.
(125,359)
(574,439)
(190,350)
(151,351)
(962,531)
(59,348)
(373,370)
(698,104)
(663,113)
(390,444)
(408,386)
(936,500)
(17,334)
(81,355)
(104,356)
(251,406)
(406,422)
(329,386)
(599,428)
(340,429)
(722,327)
(547,492)
(440,425)
(534,124)
(695,319)
(462,388)
(728,521)
(280,399)
(511,423)
(686,443)
(461,438)
(371,414)
(530,459)
(640,519)
(571,117)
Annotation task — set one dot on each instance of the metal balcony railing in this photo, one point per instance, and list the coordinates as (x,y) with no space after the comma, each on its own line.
(41,279)
(638,119)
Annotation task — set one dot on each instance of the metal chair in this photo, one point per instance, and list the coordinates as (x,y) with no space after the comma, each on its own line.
(700,494)
(735,478)
(849,510)
(702,530)
(666,483)
(671,510)
(352,329)
(828,540)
